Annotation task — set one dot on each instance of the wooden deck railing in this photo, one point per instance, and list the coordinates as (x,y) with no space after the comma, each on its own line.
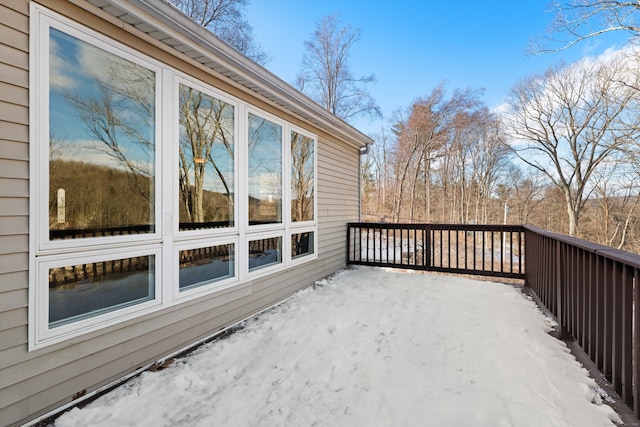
(591,289)
(593,292)
(488,250)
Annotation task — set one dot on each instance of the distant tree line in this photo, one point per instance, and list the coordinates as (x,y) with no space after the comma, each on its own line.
(562,154)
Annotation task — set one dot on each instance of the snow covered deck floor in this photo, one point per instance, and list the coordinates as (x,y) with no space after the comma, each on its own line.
(371,348)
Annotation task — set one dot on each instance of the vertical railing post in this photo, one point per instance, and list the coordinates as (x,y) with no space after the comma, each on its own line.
(636,343)
(348,243)
(617,345)
(592,306)
(582,295)
(525,247)
(608,316)
(558,280)
(626,339)
(562,332)
(427,247)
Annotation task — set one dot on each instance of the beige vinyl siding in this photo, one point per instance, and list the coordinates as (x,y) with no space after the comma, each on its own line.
(15,14)
(34,383)
(13,94)
(14,202)
(338,202)
(338,197)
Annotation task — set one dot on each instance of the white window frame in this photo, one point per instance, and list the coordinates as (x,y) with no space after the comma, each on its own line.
(302,226)
(41,157)
(204,288)
(45,333)
(44,252)
(181,235)
(312,136)
(167,240)
(302,258)
(261,228)
(270,268)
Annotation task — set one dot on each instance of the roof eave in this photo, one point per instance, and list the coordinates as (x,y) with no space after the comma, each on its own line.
(162,21)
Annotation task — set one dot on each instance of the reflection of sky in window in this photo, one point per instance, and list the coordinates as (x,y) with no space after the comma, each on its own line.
(80,76)
(265,158)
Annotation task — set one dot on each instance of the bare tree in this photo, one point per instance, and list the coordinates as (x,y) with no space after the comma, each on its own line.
(526,193)
(326,74)
(379,164)
(612,212)
(569,121)
(489,161)
(579,20)
(226,19)
(449,155)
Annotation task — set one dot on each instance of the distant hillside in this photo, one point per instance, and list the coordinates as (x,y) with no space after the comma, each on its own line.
(103,197)
(98,196)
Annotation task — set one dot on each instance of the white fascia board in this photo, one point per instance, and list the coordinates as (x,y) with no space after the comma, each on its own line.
(166,19)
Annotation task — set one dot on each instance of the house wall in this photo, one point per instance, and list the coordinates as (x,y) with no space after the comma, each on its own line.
(34,383)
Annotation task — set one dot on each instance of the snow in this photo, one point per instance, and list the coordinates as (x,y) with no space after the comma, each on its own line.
(371,347)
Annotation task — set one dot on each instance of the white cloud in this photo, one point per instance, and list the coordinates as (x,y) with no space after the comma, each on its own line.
(61,72)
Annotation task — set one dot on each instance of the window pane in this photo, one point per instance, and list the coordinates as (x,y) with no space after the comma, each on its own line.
(301,244)
(265,171)
(205,265)
(302,189)
(86,290)
(101,142)
(206,161)
(265,252)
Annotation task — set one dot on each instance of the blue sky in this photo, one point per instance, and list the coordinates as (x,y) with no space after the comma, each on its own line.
(411,46)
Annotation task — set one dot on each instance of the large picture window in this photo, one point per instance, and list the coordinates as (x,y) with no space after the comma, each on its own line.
(101,141)
(150,187)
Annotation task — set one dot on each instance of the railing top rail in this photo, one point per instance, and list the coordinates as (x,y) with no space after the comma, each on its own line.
(611,253)
(421,246)
(434,226)
(595,248)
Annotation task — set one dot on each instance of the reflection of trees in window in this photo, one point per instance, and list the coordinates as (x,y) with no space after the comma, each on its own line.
(104,106)
(206,158)
(200,266)
(86,290)
(121,116)
(265,252)
(302,190)
(301,244)
(265,171)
